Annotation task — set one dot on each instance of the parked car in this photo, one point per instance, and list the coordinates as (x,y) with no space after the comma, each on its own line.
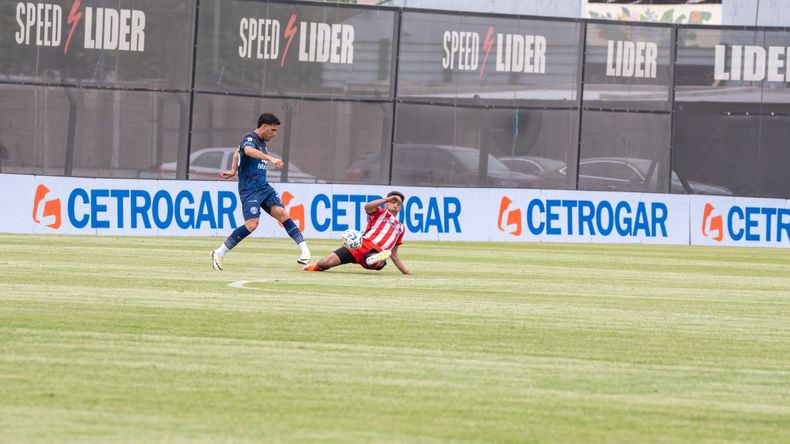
(532,164)
(541,167)
(437,165)
(208,163)
(633,174)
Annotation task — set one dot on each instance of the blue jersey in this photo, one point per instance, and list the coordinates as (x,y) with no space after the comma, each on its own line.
(252,171)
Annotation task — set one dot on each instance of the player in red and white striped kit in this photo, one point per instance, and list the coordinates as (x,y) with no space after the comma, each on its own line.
(383,235)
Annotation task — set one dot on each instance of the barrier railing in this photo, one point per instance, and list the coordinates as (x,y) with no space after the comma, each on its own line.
(383,95)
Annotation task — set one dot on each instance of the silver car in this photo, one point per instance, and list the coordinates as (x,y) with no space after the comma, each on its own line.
(634,174)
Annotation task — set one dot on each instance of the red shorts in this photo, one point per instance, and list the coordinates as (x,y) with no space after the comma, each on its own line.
(361,252)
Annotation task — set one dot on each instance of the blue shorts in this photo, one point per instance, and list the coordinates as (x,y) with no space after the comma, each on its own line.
(252,202)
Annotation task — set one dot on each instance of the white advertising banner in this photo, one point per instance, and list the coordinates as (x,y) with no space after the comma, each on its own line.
(126,207)
(586,216)
(44,204)
(17,195)
(739,221)
(60,205)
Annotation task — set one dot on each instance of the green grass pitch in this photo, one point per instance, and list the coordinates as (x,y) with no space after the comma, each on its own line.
(121,339)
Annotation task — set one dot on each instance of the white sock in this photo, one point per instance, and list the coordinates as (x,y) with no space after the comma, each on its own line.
(303,246)
(222,250)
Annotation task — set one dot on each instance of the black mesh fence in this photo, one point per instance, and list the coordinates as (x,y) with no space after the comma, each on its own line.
(381,95)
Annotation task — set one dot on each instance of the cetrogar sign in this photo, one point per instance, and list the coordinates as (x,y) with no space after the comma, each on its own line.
(574,216)
(187,208)
(736,221)
(41,204)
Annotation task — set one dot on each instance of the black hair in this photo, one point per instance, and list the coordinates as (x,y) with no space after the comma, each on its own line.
(397,193)
(268,119)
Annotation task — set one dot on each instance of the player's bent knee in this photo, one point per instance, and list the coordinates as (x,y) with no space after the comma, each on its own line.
(279,213)
(251,224)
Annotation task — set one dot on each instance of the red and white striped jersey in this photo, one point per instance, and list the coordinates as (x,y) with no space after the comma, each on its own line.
(384,229)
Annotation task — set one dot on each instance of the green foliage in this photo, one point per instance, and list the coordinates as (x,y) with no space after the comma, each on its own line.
(138,340)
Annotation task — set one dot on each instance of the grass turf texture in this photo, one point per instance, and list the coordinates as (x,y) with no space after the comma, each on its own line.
(138,339)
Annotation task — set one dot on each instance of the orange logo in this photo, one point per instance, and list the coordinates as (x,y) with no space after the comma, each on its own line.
(50,208)
(296,212)
(512,220)
(715,225)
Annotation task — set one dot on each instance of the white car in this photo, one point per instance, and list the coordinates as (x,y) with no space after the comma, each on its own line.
(208,163)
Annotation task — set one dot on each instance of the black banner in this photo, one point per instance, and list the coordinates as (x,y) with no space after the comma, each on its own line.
(290,49)
(484,60)
(627,67)
(126,43)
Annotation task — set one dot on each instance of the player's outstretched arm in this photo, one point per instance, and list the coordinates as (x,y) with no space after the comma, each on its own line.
(252,152)
(373,204)
(234,167)
(398,262)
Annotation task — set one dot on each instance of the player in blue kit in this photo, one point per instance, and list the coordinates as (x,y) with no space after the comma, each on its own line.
(255,192)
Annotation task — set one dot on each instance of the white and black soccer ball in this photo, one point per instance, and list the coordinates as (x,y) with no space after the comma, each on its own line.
(351,239)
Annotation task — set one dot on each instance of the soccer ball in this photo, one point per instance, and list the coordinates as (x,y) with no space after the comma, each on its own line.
(352,239)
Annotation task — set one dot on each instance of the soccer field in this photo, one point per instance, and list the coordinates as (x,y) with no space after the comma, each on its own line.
(138,340)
